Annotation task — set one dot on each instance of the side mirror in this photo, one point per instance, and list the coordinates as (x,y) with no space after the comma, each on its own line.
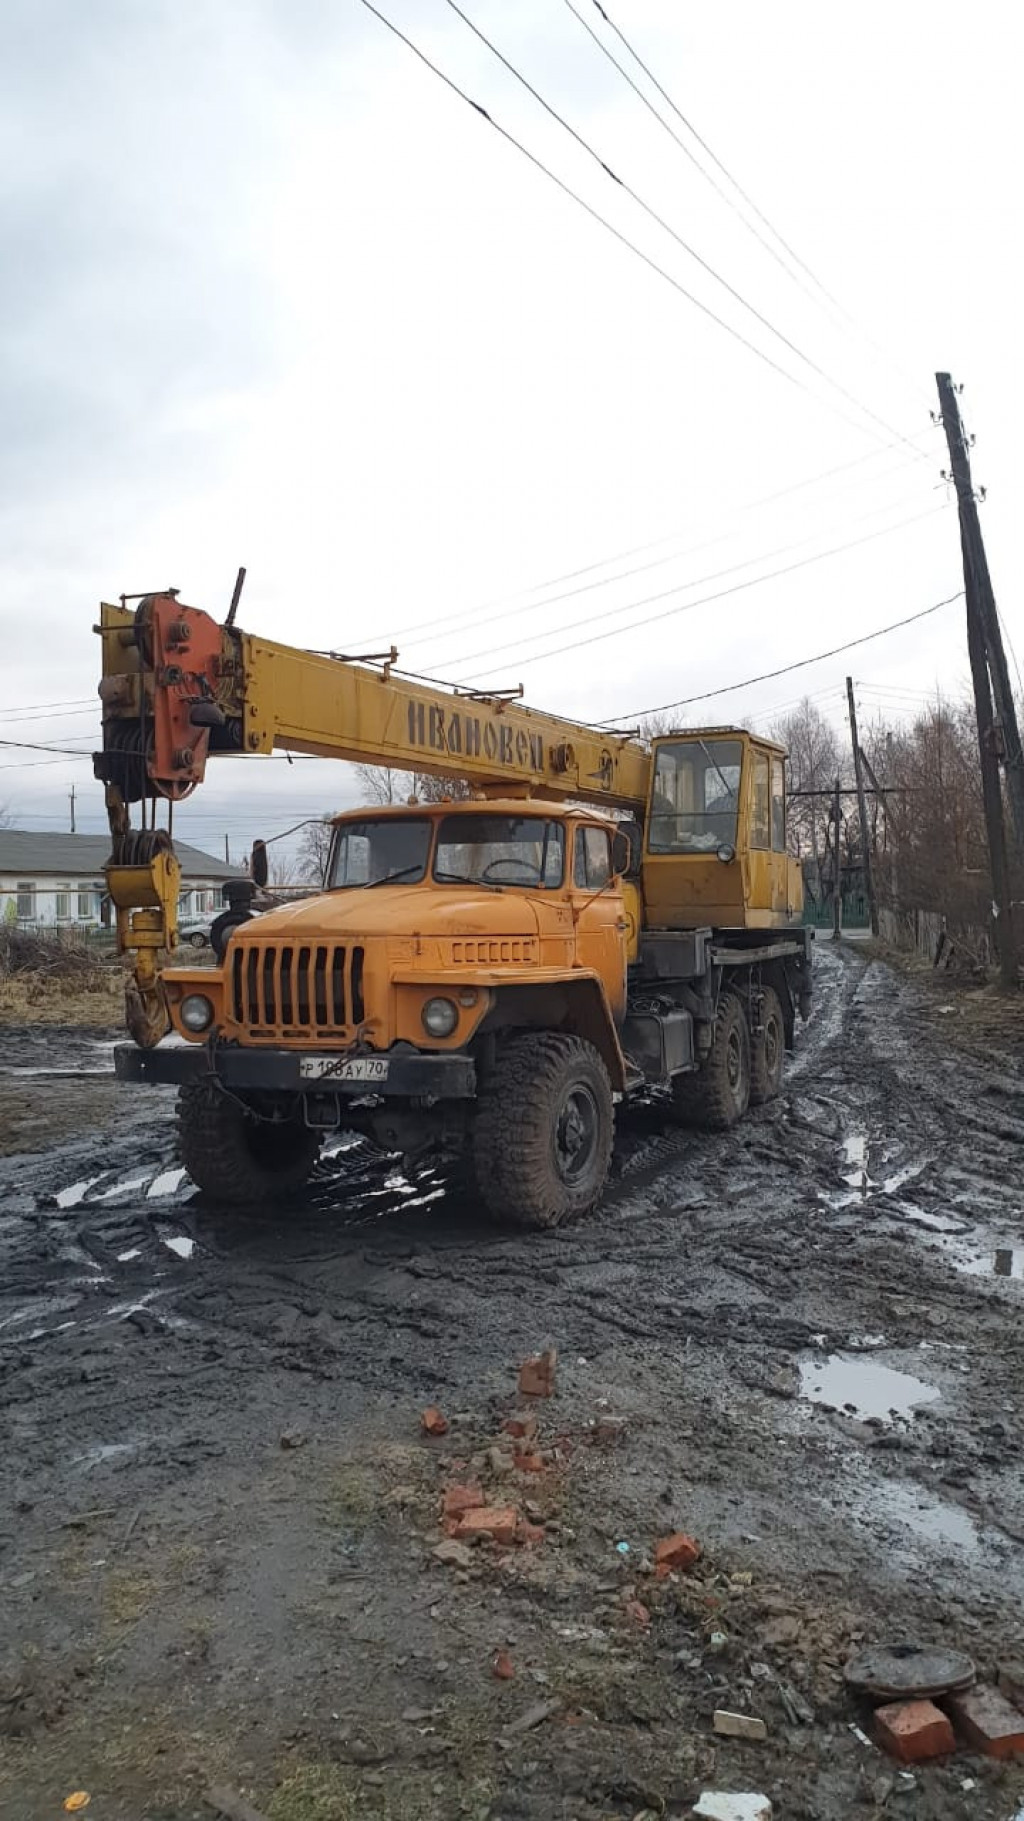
(258,863)
(621,853)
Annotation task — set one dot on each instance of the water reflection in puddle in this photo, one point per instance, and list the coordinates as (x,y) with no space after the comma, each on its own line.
(985,1261)
(862,1387)
(931,1519)
(179,1244)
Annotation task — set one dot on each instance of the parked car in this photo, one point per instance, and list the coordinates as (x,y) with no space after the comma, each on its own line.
(195,930)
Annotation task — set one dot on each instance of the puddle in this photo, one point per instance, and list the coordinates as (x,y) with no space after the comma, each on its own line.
(167,1183)
(985,1261)
(855,1161)
(931,1519)
(104,1451)
(862,1388)
(123,1188)
(922,1217)
(180,1245)
(124,1258)
(71,1196)
(905,1174)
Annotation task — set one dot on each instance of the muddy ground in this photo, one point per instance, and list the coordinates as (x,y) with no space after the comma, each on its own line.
(801,1343)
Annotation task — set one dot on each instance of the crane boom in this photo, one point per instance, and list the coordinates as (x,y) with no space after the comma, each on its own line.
(178,688)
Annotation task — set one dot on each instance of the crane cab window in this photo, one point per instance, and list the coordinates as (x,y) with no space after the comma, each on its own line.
(760,808)
(500,850)
(695,799)
(381,849)
(778,806)
(592,865)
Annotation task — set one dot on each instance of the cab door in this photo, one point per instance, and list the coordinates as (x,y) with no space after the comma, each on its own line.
(769,871)
(599,913)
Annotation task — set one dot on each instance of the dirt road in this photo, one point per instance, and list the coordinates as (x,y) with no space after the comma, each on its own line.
(800,1343)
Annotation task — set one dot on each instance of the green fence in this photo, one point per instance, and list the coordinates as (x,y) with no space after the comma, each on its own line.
(855,912)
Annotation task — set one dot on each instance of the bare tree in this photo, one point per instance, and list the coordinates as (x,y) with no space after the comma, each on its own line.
(815,762)
(382,785)
(313,852)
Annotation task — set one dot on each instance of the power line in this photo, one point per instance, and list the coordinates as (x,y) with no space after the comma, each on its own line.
(667,228)
(721,594)
(765,556)
(520,611)
(595,214)
(748,199)
(766,676)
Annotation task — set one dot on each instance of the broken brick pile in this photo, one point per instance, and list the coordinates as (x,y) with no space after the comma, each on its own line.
(986,1721)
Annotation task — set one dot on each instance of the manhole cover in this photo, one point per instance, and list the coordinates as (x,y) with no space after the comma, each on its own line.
(893,1671)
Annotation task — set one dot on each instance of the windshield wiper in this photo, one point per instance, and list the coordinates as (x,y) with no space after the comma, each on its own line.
(446,878)
(388,878)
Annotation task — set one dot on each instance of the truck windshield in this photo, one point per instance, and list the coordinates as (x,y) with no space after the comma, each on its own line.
(500,850)
(695,801)
(379,849)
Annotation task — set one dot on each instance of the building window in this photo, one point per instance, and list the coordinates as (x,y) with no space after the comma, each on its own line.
(86,904)
(63,899)
(26,900)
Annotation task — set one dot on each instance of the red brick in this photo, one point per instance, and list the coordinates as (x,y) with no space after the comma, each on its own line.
(495,1521)
(433,1422)
(989,1722)
(637,1613)
(502,1666)
(530,1533)
(522,1428)
(537,1375)
(914,1730)
(458,1499)
(677,1551)
(530,1463)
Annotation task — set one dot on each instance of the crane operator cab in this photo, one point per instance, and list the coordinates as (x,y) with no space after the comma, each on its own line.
(715,851)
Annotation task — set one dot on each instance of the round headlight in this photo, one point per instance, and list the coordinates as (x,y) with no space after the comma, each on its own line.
(726,853)
(196,1012)
(439,1017)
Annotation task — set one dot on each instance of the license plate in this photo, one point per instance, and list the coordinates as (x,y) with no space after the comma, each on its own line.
(344,1068)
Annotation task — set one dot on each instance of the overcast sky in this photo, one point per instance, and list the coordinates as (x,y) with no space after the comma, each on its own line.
(272,294)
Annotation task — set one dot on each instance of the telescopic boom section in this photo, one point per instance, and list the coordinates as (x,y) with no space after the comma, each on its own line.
(178,688)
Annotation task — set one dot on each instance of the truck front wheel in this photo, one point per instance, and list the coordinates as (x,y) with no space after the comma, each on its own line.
(718,1094)
(236,1158)
(542,1137)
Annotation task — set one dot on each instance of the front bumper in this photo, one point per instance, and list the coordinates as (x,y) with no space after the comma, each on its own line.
(411,1075)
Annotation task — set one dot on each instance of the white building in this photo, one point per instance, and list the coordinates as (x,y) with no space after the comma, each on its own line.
(57,880)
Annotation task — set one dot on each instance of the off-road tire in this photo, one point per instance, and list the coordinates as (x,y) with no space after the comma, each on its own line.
(546,1093)
(236,1159)
(767,1050)
(718,1094)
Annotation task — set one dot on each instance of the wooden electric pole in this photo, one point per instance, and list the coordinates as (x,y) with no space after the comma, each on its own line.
(998,732)
(978,582)
(837,877)
(72,801)
(862,809)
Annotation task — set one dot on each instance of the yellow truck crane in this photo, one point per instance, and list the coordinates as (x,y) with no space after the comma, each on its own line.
(483,978)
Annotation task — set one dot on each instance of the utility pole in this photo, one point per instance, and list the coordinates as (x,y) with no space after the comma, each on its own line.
(72,802)
(837,878)
(981,600)
(862,807)
(227,852)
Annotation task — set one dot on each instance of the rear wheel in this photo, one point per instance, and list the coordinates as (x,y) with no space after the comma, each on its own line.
(542,1137)
(767,1050)
(236,1158)
(197,939)
(718,1094)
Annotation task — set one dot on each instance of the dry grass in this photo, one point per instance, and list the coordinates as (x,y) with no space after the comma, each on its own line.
(43,999)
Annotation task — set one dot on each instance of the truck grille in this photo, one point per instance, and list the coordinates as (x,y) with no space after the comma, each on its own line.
(291,987)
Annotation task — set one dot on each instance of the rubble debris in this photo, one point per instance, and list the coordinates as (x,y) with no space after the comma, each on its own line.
(453,1553)
(988,1721)
(1010,1680)
(739,1726)
(502,1666)
(722,1805)
(292,1438)
(433,1422)
(637,1613)
(534,1716)
(910,1672)
(914,1731)
(78,1799)
(530,1463)
(537,1375)
(786,1629)
(230,1804)
(499,1522)
(521,1428)
(528,1532)
(676,1551)
(460,1499)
